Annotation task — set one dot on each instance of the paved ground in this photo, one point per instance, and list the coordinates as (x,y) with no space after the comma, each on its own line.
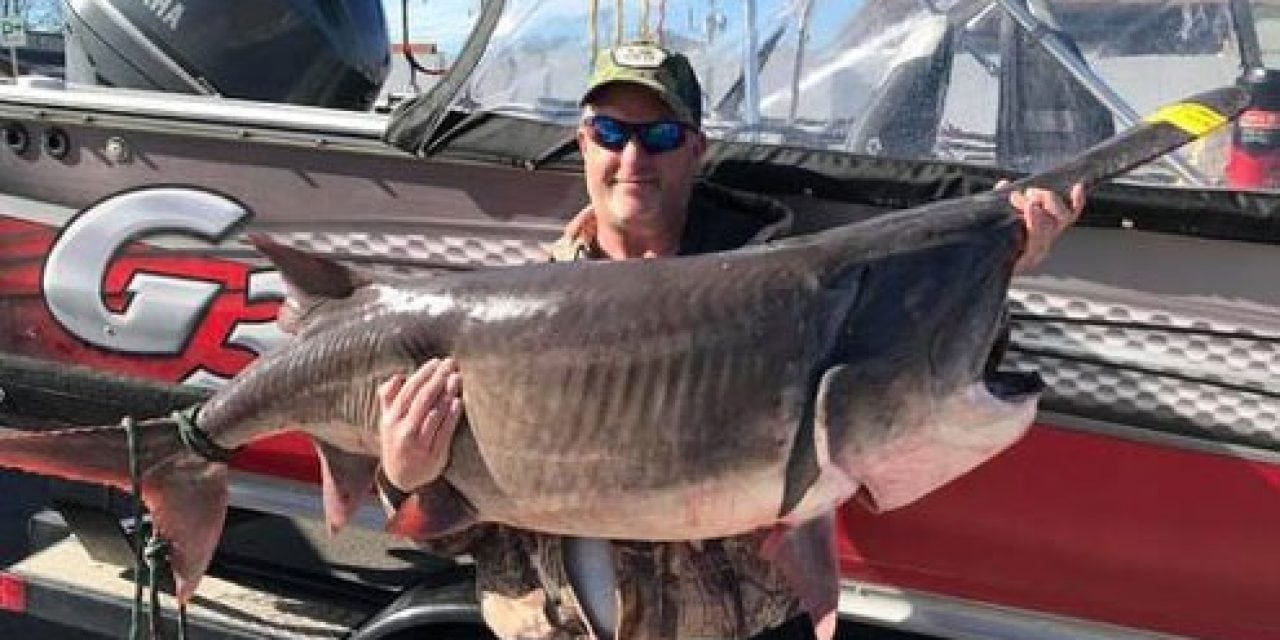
(12,626)
(24,495)
(19,627)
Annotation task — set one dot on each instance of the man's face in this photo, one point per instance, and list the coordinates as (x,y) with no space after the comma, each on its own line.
(633,190)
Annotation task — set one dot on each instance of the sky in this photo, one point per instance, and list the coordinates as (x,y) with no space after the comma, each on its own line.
(448,22)
(444,22)
(42,15)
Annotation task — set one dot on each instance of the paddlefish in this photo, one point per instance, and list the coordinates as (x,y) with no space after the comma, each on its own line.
(679,398)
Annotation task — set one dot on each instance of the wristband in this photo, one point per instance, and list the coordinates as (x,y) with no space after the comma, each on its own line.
(395,496)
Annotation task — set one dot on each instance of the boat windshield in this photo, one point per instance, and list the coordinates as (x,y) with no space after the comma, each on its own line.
(1011,83)
(1014,84)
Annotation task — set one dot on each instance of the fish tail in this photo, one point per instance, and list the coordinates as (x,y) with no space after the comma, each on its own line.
(185,493)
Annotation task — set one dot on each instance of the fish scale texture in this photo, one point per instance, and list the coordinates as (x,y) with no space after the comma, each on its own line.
(657,397)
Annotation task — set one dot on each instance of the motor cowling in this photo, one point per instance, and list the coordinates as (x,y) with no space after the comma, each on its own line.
(331,53)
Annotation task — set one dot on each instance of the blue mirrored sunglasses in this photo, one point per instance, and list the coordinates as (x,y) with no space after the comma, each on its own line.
(654,137)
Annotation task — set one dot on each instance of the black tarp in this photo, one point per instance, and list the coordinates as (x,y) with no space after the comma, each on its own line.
(836,177)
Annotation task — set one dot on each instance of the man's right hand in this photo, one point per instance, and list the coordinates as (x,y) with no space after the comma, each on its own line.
(417,418)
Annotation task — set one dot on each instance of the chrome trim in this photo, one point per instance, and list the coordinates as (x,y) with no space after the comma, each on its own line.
(295,499)
(1147,435)
(197,115)
(959,619)
(37,211)
(751,72)
(797,69)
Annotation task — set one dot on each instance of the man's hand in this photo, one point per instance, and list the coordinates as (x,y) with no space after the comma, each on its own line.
(1045,217)
(417,417)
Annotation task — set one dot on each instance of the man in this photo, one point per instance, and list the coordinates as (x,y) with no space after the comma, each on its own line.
(642,145)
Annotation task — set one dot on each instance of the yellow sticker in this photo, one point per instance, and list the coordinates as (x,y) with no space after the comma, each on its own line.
(1193,118)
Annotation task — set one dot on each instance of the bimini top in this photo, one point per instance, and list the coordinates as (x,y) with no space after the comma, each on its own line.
(1005,84)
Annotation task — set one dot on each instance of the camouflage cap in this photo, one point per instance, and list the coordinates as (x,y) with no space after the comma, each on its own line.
(668,73)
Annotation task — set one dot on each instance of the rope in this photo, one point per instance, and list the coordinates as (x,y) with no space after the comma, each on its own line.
(135,490)
(157,554)
(153,553)
(197,440)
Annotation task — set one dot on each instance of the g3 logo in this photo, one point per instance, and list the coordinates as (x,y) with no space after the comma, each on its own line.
(162,312)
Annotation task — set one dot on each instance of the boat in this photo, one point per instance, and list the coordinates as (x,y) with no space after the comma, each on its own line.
(1143,503)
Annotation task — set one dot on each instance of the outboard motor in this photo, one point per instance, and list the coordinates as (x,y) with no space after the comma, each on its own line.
(1253,161)
(330,53)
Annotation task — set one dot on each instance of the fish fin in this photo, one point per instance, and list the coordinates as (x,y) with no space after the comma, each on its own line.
(346,479)
(805,554)
(186,494)
(98,455)
(432,511)
(309,280)
(832,486)
(802,470)
(810,450)
(309,273)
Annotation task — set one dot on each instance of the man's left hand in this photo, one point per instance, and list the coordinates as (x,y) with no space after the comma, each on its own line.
(1045,217)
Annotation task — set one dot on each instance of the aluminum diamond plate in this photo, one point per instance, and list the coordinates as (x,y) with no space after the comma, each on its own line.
(462,251)
(1150,364)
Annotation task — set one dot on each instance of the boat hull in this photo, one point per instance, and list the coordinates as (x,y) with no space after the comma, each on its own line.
(1099,523)
(1146,497)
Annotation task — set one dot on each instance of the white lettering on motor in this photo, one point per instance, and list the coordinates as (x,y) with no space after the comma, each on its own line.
(166,11)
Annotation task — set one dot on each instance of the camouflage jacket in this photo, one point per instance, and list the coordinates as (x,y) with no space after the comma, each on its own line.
(705,589)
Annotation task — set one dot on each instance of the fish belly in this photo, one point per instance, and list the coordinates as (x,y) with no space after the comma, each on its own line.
(653,427)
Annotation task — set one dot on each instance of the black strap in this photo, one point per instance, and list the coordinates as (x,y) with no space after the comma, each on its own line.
(395,496)
(797,628)
(197,440)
